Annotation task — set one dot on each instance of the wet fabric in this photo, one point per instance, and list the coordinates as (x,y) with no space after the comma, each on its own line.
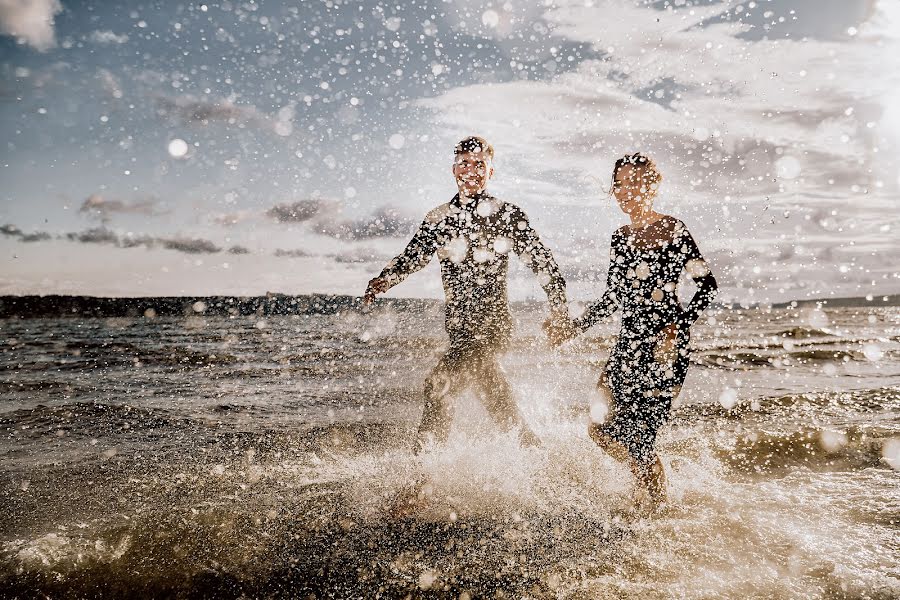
(645,268)
(456,372)
(473,241)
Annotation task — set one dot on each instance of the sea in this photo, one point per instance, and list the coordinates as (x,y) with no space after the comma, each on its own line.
(263,457)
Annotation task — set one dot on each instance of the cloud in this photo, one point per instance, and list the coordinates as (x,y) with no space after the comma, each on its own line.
(232,219)
(96,235)
(110,83)
(101,235)
(386,221)
(360,256)
(99,206)
(190,245)
(30,21)
(36,236)
(299,211)
(15,232)
(193,110)
(10,230)
(190,109)
(752,132)
(107,37)
(133,241)
(775,96)
(324,217)
(295,253)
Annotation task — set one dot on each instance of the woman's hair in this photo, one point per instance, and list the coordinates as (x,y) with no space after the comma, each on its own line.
(649,173)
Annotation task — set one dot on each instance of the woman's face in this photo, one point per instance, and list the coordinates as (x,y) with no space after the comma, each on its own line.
(632,190)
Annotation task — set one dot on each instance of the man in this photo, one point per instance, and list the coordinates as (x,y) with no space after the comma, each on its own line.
(473,235)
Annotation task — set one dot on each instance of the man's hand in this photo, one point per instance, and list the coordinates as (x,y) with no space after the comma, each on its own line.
(377,285)
(559,328)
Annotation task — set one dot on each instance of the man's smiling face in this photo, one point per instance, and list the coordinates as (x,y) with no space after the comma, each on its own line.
(472,170)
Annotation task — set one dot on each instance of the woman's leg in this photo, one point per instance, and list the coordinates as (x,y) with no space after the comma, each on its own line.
(599,433)
(642,459)
(651,472)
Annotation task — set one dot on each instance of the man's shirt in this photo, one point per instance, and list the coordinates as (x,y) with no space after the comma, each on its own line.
(473,242)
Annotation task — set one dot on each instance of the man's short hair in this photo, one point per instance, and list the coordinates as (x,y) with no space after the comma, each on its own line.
(473,143)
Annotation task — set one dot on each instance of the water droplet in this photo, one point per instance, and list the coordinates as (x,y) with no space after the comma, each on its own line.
(502,245)
(396,141)
(728,398)
(891,452)
(178,147)
(832,441)
(490,18)
(426,580)
(788,167)
(872,352)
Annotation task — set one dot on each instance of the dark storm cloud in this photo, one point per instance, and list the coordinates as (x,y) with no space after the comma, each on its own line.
(299,211)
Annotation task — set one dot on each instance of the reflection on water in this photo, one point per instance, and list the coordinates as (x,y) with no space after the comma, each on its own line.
(218,457)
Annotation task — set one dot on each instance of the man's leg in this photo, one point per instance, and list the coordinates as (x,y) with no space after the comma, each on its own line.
(497,396)
(441,385)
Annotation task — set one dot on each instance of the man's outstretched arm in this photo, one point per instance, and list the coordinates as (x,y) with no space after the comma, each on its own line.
(415,256)
(536,254)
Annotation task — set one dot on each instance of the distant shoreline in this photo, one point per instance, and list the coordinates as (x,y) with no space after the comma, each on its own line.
(60,306)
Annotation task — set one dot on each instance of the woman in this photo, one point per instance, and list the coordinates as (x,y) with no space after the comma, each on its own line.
(648,365)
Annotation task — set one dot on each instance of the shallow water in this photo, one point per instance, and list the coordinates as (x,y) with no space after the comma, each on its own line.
(214,457)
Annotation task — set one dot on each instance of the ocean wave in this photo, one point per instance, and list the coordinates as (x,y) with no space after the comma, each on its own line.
(775,356)
(768,452)
(805,332)
(89,418)
(83,356)
(796,406)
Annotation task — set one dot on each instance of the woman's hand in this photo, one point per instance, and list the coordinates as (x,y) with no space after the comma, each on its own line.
(666,350)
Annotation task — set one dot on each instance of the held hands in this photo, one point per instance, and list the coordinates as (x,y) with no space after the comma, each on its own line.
(559,328)
(377,285)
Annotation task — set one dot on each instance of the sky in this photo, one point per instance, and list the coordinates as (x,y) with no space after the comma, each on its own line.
(239,147)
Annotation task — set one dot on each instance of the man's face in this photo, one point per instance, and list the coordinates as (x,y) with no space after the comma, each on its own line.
(472,170)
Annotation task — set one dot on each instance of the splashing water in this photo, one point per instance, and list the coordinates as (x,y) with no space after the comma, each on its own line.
(275,461)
